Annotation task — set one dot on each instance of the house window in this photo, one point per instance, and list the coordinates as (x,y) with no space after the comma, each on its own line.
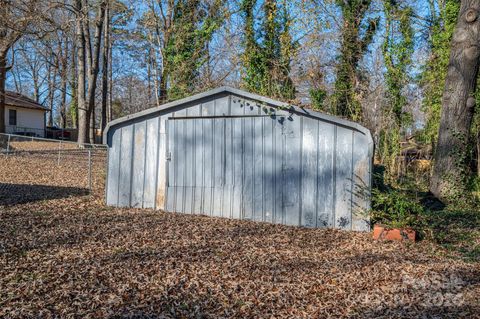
(12,117)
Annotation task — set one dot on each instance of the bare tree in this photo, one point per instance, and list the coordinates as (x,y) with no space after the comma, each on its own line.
(105,66)
(87,67)
(83,120)
(33,64)
(63,81)
(93,69)
(16,19)
(159,27)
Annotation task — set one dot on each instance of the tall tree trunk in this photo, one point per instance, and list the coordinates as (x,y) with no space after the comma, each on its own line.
(110,80)
(36,85)
(83,120)
(88,66)
(163,89)
(8,37)
(94,68)
(105,55)
(73,111)
(450,168)
(159,96)
(51,88)
(478,153)
(91,131)
(353,47)
(149,75)
(3,75)
(63,85)
(63,101)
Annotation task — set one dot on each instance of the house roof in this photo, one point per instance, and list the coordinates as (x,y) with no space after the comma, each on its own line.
(19,100)
(247,95)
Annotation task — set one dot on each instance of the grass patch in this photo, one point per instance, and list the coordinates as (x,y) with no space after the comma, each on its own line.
(454,228)
(458,231)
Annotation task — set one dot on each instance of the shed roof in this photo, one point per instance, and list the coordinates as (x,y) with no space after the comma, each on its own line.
(19,100)
(246,95)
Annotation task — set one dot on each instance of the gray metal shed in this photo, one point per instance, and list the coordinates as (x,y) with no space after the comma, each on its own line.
(230,153)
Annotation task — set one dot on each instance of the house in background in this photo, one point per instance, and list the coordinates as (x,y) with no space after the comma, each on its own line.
(23,115)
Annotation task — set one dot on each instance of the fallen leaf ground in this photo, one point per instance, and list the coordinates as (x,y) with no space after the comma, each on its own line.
(63,253)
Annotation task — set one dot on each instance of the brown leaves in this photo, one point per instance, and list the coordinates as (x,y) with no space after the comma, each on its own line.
(74,257)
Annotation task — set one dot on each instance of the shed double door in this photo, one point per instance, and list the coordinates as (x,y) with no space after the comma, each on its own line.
(238,167)
(222,166)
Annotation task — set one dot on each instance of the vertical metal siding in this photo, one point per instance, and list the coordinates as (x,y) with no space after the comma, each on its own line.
(138,165)
(309,172)
(113,168)
(325,177)
(361,182)
(343,177)
(161,180)
(235,158)
(125,169)
(292,170)
(151,160)
(268,170)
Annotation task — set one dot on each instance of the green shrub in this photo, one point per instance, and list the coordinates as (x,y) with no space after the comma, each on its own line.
(474,187)
(395,208)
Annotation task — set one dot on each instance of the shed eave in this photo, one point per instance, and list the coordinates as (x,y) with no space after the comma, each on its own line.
(244,94)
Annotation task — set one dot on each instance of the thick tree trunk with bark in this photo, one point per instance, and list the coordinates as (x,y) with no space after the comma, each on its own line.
(51,91)
(63,101)
(3,75)
(73,111)
(83,119)
(478,153)
(110,81)
(105,56)
(163,89)
(450,169)
(63,85)
(94,68)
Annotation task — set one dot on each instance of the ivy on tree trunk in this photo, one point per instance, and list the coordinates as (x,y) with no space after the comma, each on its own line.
(451,171)
(3,75)
(353,47)
(397,52)
(266,63)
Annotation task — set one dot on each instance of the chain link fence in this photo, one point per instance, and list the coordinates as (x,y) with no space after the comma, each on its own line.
(57,166)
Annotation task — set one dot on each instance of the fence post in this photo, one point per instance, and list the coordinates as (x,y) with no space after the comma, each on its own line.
(90,171)
(59,148)
(8,144)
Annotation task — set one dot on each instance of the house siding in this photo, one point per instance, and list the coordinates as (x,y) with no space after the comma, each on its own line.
(28,120)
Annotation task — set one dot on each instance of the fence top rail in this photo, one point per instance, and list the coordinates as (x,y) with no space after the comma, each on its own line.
(31,138)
